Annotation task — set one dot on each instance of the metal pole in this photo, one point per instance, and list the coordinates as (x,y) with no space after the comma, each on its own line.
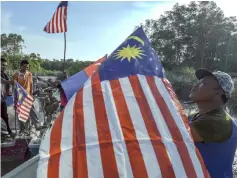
(65,47)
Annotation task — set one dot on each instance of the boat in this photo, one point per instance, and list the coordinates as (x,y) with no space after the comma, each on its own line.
(27,169)
(15,149)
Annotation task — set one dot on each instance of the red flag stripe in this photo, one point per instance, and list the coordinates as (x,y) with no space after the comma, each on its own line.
(65,18)
(176,135)
(58,19)
(154,134)
(134,152)
(22,109)
(184,117)
(121,153)
(55,149)
(181,126)
(79,161)
(104,135)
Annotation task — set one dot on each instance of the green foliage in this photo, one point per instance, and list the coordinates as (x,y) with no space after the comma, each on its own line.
(181,74)
(232,103)
(197,35)
(11,44)
(78,66)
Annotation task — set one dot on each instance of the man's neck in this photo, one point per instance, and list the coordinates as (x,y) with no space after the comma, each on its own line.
(23,72)
(205,107)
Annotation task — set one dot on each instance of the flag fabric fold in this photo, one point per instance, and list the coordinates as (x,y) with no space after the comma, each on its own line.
(23,103)
(75,82)
(58,23)
(125,121)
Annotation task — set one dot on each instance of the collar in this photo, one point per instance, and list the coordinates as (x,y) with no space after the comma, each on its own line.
(20,73)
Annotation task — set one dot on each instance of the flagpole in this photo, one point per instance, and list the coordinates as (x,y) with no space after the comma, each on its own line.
(65,47)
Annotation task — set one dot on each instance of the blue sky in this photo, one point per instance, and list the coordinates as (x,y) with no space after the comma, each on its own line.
(94,28)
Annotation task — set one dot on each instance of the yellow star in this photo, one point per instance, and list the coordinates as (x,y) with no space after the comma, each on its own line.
(129,53)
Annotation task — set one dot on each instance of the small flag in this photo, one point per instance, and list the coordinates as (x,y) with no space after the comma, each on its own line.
(23,103)
(58,23)
(125,121)
(75,82)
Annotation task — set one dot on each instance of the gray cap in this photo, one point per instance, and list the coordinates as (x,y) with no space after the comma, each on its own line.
(223,79)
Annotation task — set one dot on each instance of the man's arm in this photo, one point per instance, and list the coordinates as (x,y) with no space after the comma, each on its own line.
(15,77)
(211,129)
(195,135)
(31,84)
(3,81)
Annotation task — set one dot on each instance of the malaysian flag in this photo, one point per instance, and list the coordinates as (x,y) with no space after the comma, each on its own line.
(23,103)
(58,23)
(125,122)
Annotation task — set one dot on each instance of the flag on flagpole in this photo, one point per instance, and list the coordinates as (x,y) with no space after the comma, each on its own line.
(126,121)
(72,84)
(58,23)
(23,103)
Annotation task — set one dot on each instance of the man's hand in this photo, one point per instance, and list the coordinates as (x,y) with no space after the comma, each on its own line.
(12,82)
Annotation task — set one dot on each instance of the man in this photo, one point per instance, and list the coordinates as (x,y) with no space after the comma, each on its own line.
(63,97)
(50,105)
(25,79)
(213,130)
(5,82)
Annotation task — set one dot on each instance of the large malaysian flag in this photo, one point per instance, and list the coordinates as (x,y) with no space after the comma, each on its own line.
(125,122)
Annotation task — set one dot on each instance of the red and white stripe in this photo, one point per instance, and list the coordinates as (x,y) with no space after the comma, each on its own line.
(130,127)
(23,109)
(58,23)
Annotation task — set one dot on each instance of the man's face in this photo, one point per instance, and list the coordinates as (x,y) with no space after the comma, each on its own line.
(206,90)
(3,66)
(24,67)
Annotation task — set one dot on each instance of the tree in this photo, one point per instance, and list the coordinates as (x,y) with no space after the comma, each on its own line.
(11,46)
(197,35)
(12,43)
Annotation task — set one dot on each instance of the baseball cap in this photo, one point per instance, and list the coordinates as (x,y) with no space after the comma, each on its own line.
(224,80)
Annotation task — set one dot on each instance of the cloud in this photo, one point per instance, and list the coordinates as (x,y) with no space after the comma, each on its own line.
(6,23)
(143,4)
(229,7)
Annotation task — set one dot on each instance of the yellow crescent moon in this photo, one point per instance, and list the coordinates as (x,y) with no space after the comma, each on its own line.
(20,95)
(137,38)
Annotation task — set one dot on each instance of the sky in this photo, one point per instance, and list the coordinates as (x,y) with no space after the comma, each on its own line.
(94,28)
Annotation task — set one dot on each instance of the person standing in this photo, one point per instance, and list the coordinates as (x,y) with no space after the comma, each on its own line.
(213,130)
(5,82)
(50,106)
(25,79)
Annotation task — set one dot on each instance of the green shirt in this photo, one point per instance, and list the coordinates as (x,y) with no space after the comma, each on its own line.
(213,126)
